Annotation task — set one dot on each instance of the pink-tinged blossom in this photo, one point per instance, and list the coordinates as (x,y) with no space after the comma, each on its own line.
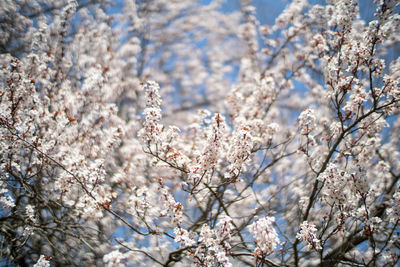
(208,158)
(290,13)
(82,139)
(335,129)
(172,208)
(394,211)
(267,90)
(319,43)
(114,259)
(152,128)
(183,237)
(335,184)
(42,262)
(248,30)
(240,149)
(357,97)
(30,213)
(307,234)
(344,12)
(265,235)
(224,228)
(214,244)
(307,121)
(374,224)
(138,201)
(6,201)
(206,236)
(392,86)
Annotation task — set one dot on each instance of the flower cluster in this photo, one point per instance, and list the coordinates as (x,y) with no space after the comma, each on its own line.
(214,244)
(42,262)
(307,233)
(291,12)
(183,237)
(343,14)
(6,200)
(138,201)
(248,30)
(152,127)
(265,236)
(307,121)
(114,259)
(173,208)
(335,184)
(266,91)
(240,150)
(394,211)
(357,97)
(208,158)
(30,213)
(84,143)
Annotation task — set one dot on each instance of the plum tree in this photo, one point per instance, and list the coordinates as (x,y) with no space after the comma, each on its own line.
(181,133)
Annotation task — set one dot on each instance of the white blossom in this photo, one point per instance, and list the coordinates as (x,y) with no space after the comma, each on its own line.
(265,236)
(298,120)
(114,259)
(42,262)
(307,233)
(307,121)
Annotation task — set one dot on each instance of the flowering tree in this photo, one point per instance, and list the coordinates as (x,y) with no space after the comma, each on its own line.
(177,133)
